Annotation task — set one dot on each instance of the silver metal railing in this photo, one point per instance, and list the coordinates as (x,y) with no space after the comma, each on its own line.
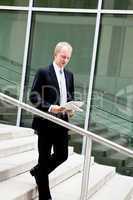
(74,128)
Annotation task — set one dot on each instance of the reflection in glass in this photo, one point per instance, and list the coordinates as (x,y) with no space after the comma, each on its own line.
(112,104)
(47,31)
(14,2)
(118,4)
(13,27)
(105,155)
(91,4)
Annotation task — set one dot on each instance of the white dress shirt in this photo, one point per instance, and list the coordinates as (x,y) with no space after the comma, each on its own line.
(62,83)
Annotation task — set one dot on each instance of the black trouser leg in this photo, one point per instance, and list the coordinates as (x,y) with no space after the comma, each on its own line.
(60,149)
(44,148)
(47,162)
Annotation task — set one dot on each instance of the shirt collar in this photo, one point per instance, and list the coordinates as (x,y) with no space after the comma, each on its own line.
(56,67)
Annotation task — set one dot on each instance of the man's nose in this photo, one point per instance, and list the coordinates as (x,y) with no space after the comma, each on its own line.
(66,59)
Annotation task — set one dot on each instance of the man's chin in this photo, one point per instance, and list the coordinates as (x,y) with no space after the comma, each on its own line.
(64,64)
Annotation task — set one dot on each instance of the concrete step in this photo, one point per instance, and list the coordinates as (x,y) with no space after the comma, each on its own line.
(98,128)
(11,117)
(118,187)
(71,188)
(118,160)
(14,146)
(17,164)
(110,134)
(7,110)
(23,187)
(20,163)
(102,150)
(127,169)
(10,132)
(103,131)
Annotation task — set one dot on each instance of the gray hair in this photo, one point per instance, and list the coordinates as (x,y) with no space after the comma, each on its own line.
(60,45)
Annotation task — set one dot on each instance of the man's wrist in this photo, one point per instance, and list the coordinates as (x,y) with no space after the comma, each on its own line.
(50,108)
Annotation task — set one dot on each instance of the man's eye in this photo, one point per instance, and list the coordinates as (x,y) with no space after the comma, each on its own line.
(65,57)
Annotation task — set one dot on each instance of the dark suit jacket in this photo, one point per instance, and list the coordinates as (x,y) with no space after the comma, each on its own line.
(45,92)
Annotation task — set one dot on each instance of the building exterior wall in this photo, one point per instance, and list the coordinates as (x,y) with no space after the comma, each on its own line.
(100,32)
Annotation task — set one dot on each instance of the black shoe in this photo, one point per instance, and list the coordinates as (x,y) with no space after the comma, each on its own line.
(33,172)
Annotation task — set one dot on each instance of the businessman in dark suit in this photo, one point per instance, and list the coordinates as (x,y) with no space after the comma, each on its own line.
(52,88)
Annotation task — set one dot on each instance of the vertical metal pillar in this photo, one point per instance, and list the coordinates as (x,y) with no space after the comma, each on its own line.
(87,142)
(25,60)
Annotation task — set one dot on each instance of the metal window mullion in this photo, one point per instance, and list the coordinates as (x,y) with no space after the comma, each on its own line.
(25,60)
(75,10)
(23,8)
(106,11)
(67,10)
(87,141)
(64,10)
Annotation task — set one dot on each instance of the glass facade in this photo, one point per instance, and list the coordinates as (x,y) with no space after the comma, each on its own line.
(47,30)
(12,37)
(14,3)
(118,4)
(111,112)
(111,108)
(92,4)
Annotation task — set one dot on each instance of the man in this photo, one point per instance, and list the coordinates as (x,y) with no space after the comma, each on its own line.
(52,88)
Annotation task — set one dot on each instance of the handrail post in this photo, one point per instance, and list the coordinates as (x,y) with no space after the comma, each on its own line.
(86,169)
(27,39)
(87,141)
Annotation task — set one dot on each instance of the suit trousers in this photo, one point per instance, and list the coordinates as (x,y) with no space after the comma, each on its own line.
(55,137)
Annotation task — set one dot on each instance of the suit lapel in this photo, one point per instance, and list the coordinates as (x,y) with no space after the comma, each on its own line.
(53,77)
(67,80)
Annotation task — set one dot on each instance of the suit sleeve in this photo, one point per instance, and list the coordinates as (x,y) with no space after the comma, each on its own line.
(36,94)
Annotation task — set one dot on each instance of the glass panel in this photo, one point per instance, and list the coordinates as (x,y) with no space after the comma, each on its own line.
(47,31)
(8,113)
(13,27)
(105,155)
(118,4)
(112,104)
(14,2)
(92,4)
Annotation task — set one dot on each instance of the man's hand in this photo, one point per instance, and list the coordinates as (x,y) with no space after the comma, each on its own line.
(69,112)
(57,109)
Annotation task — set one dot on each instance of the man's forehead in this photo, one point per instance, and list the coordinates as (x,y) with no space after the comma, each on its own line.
(64,50)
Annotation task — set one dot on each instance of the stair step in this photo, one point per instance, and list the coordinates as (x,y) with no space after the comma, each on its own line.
(111,134)
(117,159)
(10,147)
(71,188)
(99,128)
(17,164)
(73,165)
(10,132)
(20,163)
(109,190)
(23,187)
(102,150)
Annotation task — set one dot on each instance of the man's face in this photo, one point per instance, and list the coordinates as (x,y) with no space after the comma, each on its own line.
(62,57)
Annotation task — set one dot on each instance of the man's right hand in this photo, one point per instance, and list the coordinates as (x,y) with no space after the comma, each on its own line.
(57,109)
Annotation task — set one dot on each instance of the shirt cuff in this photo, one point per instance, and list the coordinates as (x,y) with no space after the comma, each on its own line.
(50,108)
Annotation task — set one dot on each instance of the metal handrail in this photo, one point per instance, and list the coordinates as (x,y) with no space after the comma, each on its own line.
(68,125)
(90,136)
